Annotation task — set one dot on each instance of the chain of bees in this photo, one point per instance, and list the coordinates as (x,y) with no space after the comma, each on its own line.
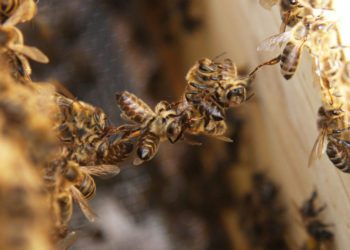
(91,146)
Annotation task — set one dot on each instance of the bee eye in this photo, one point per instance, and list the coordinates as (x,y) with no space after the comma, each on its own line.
(170,130)
(234,92)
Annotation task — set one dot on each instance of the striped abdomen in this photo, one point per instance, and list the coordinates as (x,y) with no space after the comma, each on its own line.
(87,186)
(133,108)
(290,59)
(339,156)
(148,146)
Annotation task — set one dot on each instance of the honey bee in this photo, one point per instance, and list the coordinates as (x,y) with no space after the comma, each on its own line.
(13,47)
(319,237)
(291,11)
(221,83)
(328,125)
(153,126)
(13,12)
(206,105)
(331,126)
(82,186)
(85,131)
(297,38)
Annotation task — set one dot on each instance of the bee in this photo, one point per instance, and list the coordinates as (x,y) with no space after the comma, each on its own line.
(116,146)
(319,237)
(221,83)
(291,11)
(297,38)
(13,47)
(81,186)
(13,12)
(152,126)
(206,105)
(331,126)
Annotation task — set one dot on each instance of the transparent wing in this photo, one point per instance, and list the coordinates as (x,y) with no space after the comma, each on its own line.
(223,138)
(68,241)
(31,52)
(102,170)
(273,42)
(25,11)
(319,147)
(267,4)
(137,161)
(84,206)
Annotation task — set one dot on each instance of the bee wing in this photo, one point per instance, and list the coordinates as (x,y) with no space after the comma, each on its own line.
(102,170)
(223,138)
(137,161)
(84,206)
(25,11)
(68,241)
(267,4)
(273,42)
(31,52)
(318,148)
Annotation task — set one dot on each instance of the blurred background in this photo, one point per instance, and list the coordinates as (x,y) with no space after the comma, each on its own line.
(215,196)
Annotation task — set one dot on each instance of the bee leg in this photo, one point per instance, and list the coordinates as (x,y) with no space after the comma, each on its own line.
(283,26)
(271,62)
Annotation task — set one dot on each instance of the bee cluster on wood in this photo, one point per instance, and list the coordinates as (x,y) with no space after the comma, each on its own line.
(56,143)
(310,26)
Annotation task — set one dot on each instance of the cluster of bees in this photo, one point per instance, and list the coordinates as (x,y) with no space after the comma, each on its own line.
(262,217)
(318,234)
(89,145)
(264,223)
(310,26)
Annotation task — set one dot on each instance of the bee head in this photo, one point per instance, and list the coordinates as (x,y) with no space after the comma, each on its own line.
(236,95)
(71,172)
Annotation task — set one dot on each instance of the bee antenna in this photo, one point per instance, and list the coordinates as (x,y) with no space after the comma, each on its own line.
(220,55)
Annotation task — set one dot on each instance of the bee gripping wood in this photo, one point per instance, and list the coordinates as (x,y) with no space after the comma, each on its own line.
(281,116)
